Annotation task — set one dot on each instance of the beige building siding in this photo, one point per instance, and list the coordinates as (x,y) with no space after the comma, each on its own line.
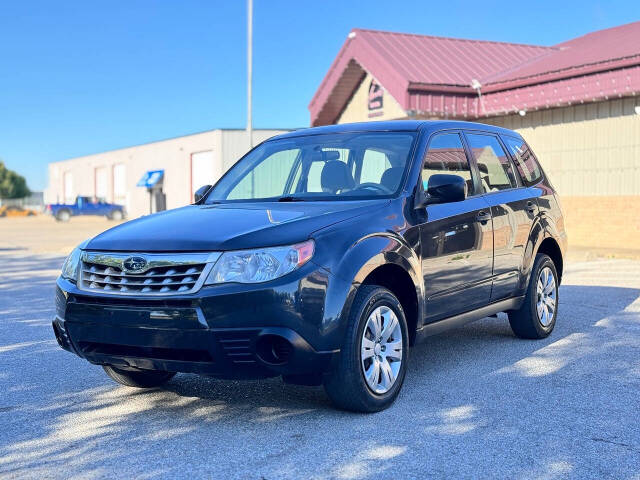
(591,153)
(173,156)
(591,149)
(357,109)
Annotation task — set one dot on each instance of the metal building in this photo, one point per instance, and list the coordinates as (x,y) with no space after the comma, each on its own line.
(577,103)
(124,176)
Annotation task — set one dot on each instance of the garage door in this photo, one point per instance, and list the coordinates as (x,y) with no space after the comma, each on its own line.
(204,170)
(67,185)
(120,184)
(102,183)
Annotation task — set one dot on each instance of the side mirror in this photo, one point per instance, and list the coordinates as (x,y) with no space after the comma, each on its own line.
(443,188)
(201,192)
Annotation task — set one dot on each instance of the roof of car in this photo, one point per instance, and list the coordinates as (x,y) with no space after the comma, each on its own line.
(393,126)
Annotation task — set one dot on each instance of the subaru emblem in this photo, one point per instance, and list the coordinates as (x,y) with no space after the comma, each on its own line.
(135,264)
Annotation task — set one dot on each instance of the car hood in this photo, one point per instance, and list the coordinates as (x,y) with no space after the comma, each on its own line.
(231,226)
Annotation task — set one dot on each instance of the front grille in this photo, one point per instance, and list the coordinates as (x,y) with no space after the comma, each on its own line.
(161,274)
(158,280)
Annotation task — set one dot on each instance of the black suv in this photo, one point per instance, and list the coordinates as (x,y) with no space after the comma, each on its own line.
(321,256)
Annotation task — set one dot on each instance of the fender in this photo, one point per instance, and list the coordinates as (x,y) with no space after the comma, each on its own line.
(553,222)
(541,230)
(370,252)
(383,248)
(536,236)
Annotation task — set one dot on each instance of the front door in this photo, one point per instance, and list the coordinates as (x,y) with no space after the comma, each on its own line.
(456,238)
(513,208)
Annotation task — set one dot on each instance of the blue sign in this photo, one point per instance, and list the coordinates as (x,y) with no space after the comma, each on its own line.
(151,178)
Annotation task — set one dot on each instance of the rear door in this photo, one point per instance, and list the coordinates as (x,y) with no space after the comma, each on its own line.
(513,209)
(456,238)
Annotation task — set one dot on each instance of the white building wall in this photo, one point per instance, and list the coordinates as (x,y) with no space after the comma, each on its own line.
(173,156)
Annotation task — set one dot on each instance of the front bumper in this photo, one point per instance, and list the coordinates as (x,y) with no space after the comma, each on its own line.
(227,331)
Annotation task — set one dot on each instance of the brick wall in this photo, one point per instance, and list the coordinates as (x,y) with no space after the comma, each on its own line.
(603,221)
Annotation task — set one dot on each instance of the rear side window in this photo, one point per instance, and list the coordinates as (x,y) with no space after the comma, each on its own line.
(526,161)
(496,171)
(446,155)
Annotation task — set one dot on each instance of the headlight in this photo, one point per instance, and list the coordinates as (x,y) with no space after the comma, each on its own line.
(260,265)
(72,263)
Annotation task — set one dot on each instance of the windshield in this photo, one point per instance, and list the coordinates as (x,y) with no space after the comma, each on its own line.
(346,166)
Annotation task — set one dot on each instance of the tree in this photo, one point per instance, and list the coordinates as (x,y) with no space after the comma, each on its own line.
(12,185)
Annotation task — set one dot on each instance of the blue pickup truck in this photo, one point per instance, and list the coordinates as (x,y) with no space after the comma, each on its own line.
(86,206)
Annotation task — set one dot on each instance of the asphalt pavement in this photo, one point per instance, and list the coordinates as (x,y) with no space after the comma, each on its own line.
(477,402)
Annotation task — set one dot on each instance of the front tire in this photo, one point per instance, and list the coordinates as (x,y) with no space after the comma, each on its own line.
(116,215)
(138,378)
(536,317)
(373,360)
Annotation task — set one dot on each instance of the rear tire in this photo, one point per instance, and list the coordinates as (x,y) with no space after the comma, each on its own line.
(377,349)
(536,317)
(116,215)
(138,378)
(63,216)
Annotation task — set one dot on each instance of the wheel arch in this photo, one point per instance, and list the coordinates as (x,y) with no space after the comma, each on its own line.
(549,246)
(388,261)
(398,281)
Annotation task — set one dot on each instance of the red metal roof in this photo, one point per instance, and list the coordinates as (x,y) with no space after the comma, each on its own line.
(596,51)
(432,75)
(422,59)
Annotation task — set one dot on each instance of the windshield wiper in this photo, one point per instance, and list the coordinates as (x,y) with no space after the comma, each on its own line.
(290,198)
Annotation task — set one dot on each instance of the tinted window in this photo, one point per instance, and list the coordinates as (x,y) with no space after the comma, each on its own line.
(446,155)
(314,175)
(343,166)
(268,178)
(526,162)
(496,172)
(374,164)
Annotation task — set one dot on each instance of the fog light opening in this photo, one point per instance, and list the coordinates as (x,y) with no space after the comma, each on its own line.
(274,349)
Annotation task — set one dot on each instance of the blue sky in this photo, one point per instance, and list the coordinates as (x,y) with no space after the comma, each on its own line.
(79,77)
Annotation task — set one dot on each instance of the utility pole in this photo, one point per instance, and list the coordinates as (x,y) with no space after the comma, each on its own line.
(249,70)
(249,82)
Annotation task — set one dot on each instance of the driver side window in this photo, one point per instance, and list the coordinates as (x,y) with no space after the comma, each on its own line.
(446,155)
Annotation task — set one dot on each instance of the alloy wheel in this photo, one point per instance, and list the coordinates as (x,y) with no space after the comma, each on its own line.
(547,296)
(381,350)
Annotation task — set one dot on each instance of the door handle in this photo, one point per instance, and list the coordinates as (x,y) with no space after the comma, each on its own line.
(531,207)
(483,217)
